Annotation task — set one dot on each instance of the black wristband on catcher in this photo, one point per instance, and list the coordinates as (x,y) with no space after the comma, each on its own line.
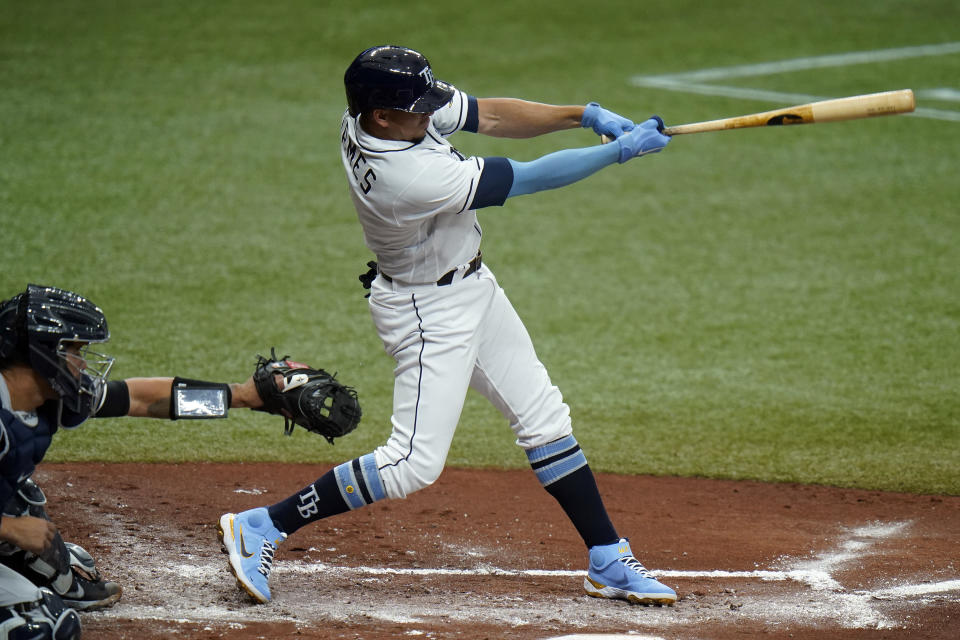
(198,400)
(116,400)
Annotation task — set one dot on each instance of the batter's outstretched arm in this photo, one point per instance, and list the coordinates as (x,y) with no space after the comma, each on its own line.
(504,178)
(513,118)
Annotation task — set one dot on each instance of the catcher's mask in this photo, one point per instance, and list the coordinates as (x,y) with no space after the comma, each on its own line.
(51,329)
(391,77)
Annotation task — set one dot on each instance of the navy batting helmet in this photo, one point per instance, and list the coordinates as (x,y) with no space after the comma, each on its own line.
(391,77)
(38,325)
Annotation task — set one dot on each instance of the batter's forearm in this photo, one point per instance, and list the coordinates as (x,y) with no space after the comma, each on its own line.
(560,168)
(513,118)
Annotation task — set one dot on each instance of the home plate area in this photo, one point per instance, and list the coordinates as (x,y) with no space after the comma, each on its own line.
(488,554)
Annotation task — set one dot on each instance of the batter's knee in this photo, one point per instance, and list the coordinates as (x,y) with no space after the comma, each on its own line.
(407,475)
(368,479)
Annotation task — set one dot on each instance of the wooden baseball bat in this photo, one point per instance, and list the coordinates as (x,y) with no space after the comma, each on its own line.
(851,108)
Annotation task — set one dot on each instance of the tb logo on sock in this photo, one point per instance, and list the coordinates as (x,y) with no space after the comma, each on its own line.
(308,503)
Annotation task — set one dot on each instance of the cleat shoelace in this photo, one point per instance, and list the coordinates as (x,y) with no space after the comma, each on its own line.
(266,558)
(634,564)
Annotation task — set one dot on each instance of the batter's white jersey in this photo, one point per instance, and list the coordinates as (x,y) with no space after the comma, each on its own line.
(414,203)
(413,199)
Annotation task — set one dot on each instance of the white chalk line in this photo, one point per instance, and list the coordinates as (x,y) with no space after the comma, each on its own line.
(914,590)
(817,62)
(693,81)
(811,577)
(943,93)
(816,579)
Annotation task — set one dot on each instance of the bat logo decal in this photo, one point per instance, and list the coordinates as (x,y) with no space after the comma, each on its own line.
(786,118)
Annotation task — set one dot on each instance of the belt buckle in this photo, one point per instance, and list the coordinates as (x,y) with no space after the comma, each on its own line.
(472,267)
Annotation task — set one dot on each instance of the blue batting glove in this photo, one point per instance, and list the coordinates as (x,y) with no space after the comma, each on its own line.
(644,139)
(653,122)
(605,123)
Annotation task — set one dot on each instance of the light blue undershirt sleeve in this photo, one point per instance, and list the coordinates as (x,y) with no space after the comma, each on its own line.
(560,168)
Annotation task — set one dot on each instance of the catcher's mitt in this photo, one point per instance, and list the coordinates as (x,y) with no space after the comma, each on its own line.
(311,398)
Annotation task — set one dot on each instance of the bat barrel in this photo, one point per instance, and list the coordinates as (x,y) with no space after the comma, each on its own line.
(852,108)
(868,106)
(835,110)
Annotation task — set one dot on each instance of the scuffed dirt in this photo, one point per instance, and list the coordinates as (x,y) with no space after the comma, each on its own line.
(489,554)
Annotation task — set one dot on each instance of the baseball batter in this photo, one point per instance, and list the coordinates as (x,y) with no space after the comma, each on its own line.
(439,310)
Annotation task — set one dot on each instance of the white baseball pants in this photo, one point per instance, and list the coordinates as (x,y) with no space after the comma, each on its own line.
(444,340)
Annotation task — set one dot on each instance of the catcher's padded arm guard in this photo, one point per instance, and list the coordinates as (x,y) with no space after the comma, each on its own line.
(311,398)
(198,399)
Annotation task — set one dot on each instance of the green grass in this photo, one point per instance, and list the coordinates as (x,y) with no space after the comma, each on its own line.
(774,304)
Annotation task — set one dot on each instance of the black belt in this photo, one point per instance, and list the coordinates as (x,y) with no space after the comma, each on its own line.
(447,278)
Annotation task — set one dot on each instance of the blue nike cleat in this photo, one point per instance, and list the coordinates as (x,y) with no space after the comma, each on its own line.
(250,538)
(615,573)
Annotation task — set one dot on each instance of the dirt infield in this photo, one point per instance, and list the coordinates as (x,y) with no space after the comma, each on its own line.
(488,554)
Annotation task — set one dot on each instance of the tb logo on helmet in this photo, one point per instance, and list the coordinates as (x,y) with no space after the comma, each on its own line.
(427,76)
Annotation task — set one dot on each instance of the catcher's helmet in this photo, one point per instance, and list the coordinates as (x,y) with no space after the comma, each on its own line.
(391,77)
(38,325)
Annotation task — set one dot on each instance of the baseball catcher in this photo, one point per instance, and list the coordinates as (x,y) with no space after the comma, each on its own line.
(311,398)
(51,378)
